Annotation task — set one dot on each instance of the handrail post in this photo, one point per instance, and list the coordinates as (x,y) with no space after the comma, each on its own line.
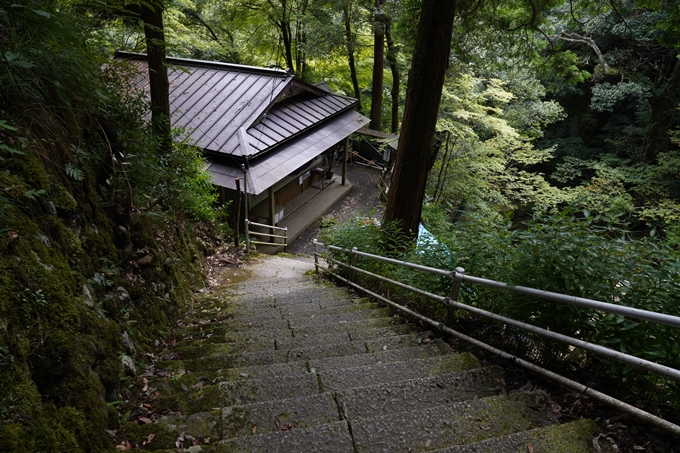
(353,262)
(285,238)
(247,222)
(316,257)
(455,289)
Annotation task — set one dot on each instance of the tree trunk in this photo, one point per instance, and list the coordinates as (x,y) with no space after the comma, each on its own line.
(378,65)
(445,162)
(350,40)
(286,34)
(423,93)
(152,15)
(392,59)
(660,106)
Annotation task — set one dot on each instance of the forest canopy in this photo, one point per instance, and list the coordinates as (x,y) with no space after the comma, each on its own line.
(566,103)
(557,119)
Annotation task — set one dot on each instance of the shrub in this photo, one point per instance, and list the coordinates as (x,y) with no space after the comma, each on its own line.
(564,253)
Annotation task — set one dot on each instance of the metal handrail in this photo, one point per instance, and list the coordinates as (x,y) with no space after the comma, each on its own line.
(458,276)
(658,318)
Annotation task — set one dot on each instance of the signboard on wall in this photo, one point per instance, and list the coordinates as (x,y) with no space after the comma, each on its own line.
(304,176)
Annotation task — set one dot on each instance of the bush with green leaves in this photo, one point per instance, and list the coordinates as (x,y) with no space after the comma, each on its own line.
(566,253)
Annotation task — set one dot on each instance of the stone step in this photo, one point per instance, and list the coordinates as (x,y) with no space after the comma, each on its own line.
(252,341)
(454,424)
(306,341)
(574,437)
(263,371)
(395,355)
(302,310)
(296,294)
(356,330)
(322,319)
(399,341)
(254,323)
(279,322)
(248,391)
(328,438)
(271,311)
(345,378)
(421,393)
(249,358)
(273,415)
(348,325)
(301,366)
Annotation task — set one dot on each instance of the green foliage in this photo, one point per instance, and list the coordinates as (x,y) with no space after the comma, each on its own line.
(73,133)
(488,149)
(564,253)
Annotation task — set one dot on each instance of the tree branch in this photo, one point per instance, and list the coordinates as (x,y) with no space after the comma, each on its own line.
(574,37)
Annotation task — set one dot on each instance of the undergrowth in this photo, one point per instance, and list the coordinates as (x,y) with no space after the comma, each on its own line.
(101,237)
(565,253)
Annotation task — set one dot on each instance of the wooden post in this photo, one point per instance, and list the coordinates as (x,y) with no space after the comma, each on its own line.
(238,212)
(353,262)
(345,157)
(455,289)
(272,212)
(316,257)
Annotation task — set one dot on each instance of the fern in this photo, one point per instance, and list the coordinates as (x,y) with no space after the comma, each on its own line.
(74,172)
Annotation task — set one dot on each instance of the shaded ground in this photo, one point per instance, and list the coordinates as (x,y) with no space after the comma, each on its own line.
(364,197)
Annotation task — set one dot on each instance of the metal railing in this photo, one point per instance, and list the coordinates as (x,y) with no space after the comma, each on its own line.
(458,276)
(273,237)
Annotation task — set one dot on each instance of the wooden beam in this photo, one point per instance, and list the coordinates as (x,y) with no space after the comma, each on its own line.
(272,210)
(345,156)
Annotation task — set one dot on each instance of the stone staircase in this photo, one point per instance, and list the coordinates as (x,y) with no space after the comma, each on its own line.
(283,363)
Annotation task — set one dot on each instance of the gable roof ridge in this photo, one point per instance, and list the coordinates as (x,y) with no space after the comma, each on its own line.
(208,64)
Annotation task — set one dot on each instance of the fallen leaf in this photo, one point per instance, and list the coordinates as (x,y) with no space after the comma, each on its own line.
(128,445)
(638,447)
(145,420)
(149,438)
(250,324)
(530,448)
(206,440)
(306,335)
(12,235)
(278,423)
(385,348)
(428,443)
(254,430)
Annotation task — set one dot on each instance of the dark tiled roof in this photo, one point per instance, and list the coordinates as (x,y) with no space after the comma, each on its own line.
(222,105)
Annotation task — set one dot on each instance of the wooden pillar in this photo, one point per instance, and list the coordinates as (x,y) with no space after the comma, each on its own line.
(237,222)
(272,211)
(345,157)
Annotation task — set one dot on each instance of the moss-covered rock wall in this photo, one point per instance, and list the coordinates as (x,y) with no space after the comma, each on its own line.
(83,292)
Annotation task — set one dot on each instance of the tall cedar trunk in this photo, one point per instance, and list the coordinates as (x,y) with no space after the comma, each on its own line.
(152,15)
(350,40)
(423,93)
(378,65)
(286,34)
(660,105)
(392,60)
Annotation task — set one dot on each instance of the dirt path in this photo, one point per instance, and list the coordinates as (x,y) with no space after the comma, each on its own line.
(364,199)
